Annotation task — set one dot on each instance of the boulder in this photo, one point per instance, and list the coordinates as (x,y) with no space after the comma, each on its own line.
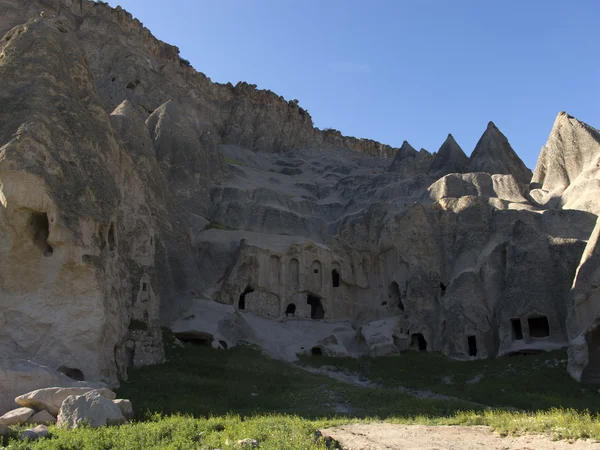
(379,335)
(42,418)
(125,406)
(16,416)
(33,434)
(51,399)
(92,409)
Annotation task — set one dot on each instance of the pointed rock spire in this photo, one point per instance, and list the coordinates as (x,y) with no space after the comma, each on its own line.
(494,155)
(410,162)
(571,146)
(450,158)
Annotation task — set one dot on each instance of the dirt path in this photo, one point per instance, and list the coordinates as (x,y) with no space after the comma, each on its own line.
(355,379)
(383,436)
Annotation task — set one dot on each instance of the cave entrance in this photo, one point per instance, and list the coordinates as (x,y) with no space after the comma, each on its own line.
(40,227)
(291,309)
(335,278)
(395,296)
(418,342)
(442,289)
(195,338)
(242,299)
(316,308)
(472,341)
(517,330)
(539,327)
(316,351)
(74,374)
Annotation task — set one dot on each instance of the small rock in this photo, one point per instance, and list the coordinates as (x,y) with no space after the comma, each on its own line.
(318,435)
(247,443)
(125,406)
(38,432)
(330,443)
(16,416)
(42,418)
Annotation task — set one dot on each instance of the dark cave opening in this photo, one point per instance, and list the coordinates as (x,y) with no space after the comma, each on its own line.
(195,338)
(395,296)
(291,309)
(472,341)
(74,374)
(316,351)
(538,327)
(418,342)
(316,308)
(40,227)
(517,330)
(242,299)
(335,278)
(442,288)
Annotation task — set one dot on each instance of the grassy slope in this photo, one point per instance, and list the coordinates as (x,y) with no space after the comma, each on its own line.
(532,382)
(206,399)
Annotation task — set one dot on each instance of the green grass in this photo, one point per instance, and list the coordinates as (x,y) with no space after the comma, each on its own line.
(234,162)
(528,382)
(207,399)
(217,226)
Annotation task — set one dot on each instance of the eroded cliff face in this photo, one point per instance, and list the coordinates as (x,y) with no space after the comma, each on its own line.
(77,257)
(136,193)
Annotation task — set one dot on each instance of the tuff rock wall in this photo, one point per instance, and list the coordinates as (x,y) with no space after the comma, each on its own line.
(133,189)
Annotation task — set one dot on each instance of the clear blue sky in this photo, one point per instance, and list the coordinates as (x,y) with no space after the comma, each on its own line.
(401,70)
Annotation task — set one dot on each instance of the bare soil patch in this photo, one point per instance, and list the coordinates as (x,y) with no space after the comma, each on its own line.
(384,436)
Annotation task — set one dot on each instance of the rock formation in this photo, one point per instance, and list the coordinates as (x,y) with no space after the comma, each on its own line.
(450,158)
(137,193)
(409,162)
(493,154)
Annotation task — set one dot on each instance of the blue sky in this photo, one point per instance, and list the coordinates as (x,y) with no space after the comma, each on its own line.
(401,70)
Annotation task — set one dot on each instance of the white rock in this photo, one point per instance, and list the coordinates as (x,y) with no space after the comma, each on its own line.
(92,409)
(51,399)
(16,416)
(125,406)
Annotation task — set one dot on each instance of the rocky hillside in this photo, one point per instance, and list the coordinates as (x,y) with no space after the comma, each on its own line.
(136,194)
